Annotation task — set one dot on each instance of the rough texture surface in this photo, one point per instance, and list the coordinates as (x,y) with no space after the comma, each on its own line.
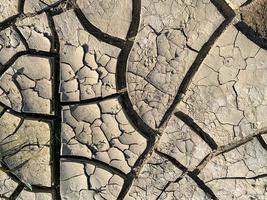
(88,65)
(228,93)
(101,131)
(133,100)
(170,35)
(110,16)
(88,181)
(33,6)
(235,4)
(255,16)
(24,89)
(25,148)
(8,9)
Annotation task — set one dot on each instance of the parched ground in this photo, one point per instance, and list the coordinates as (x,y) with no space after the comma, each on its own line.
(133,100)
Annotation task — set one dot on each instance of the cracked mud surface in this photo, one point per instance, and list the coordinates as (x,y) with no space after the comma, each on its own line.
(133,99)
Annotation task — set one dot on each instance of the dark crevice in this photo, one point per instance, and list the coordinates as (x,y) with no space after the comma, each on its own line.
(125,102)
(229,14)
(163,190)
(135,119)
(262,141)
(251,34)
(55,40)
(223,149)
(136,14)
(253,21)
(247,3)
(30,52)
(224,8)
(172,160)
(240,178)
(203,163)
(39,188)
(122,67)
(11,61)
(53,7)
(168,184)
(201,184)
(12,175)
(3,197)
(3,112)
(68,5)
(226,148)
(36,116)
(200,132)
(94,162)
(97,32)
(192,49)
(134,173)
(9,21)
(14,132)
(13,19)
(22,38)
(90,101)
(231,146)
(56,137)
(142,128)
(124,99)
(191,174)
(21,6)
(17,192)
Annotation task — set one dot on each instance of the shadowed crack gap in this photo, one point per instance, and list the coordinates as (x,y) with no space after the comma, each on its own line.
(17,192)
(229,15)
(93,100)
(191,174)
(95,162)
(21,6)
(53,8)
(239,178)
(262,142)
(201,133)
(22,38)
(30,52)
(13,176)
(251,34)
(36,116)
(87,25)
(149,133)
(56,135)
(125,102)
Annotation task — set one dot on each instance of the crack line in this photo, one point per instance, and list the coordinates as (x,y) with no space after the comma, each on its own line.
(200,132)
(96,32)
(94,162)
(229,16)
(191,174)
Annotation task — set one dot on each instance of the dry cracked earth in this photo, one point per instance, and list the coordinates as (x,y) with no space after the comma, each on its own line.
(133,99)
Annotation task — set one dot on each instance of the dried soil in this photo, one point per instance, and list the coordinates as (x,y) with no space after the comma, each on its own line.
(255,16)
